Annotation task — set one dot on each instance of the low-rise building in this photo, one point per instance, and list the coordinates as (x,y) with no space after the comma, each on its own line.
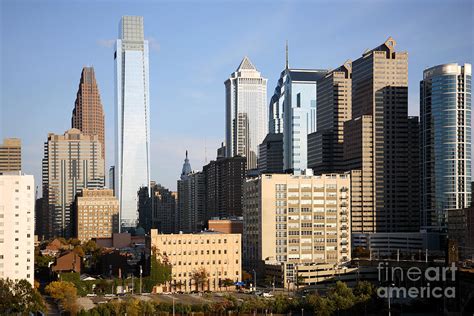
(227,225)
(216,256)
(292,220)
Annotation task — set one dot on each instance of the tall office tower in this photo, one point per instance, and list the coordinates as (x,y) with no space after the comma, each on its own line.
(191,195)
(132,118)
(17,221)
(325,146)
(445,111)
(10,155)
(270,157)
(71,162)
(376,143)
(88,114)
(297,222)
(293,113)
(224,179)
(246,112)
(95,214)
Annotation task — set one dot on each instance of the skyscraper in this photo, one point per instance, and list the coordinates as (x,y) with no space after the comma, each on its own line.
(88,114)
(132,118)
(376,142)
(224,178)
(246,113)
(191,197)
(445,115)
(71,162)
(325,146)
(10,155)
(293,113)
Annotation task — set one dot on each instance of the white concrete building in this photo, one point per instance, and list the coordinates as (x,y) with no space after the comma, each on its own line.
(17,222)
(246,112)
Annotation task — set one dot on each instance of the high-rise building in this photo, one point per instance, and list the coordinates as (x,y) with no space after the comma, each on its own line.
(224,179)
(325,146)
(293,113)
(191,199)
(246,112)
(270,157)
(10,155)
(17,222)
(132,118)
(71,162)
(88,114)
(95,214)
(159,210)
(295,221)
(376,142)
(445,115)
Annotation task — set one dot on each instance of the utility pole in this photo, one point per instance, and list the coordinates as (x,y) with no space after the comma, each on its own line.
(141,271)
(254,279)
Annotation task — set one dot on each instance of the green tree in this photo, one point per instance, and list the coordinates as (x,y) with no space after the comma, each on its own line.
(341,296)
(227,282)
(200,277)
(65,292)
(319,305)
(160,271)
(19,298)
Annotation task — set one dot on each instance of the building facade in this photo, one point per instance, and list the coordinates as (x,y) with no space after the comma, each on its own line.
(270,158)
(217,256)
(96,214)
(445,112)
(378,139)
(17,224)
(132,118)
(158,211)
(71,162)
(223,181)
(88,114)
(191,200)
(246,112)
(10,155)
(325,146)
(292,220)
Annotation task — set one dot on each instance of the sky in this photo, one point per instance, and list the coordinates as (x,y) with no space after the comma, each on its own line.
(194,47)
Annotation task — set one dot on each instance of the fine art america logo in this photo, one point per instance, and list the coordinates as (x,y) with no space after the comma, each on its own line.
(416,283)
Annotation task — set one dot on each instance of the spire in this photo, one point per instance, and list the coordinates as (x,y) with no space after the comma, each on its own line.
(246,64)
(186,167)
(287,66)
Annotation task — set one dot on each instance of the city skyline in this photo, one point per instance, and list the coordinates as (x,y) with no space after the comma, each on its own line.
(205,99)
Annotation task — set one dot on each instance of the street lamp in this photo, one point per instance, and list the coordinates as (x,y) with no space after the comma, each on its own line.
(254,279)
(389,294)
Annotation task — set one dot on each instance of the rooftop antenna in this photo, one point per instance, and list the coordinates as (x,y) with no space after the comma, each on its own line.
(286,59)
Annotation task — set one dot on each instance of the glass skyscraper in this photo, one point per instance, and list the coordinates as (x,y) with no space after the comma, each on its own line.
(445,113)
(293,113)
(132,118)
(246,112)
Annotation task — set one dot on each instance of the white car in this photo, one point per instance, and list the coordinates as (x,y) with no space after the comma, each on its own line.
(266,294)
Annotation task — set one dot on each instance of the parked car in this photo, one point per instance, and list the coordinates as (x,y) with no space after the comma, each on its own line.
(267,294)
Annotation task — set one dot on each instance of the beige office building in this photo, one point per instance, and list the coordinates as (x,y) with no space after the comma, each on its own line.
(218,254)
(96,214)
(381,142)
(10,155)
(296,222)
(71,162)
(325,146)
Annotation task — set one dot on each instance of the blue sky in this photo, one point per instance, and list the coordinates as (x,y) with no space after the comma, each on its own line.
(195,45)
